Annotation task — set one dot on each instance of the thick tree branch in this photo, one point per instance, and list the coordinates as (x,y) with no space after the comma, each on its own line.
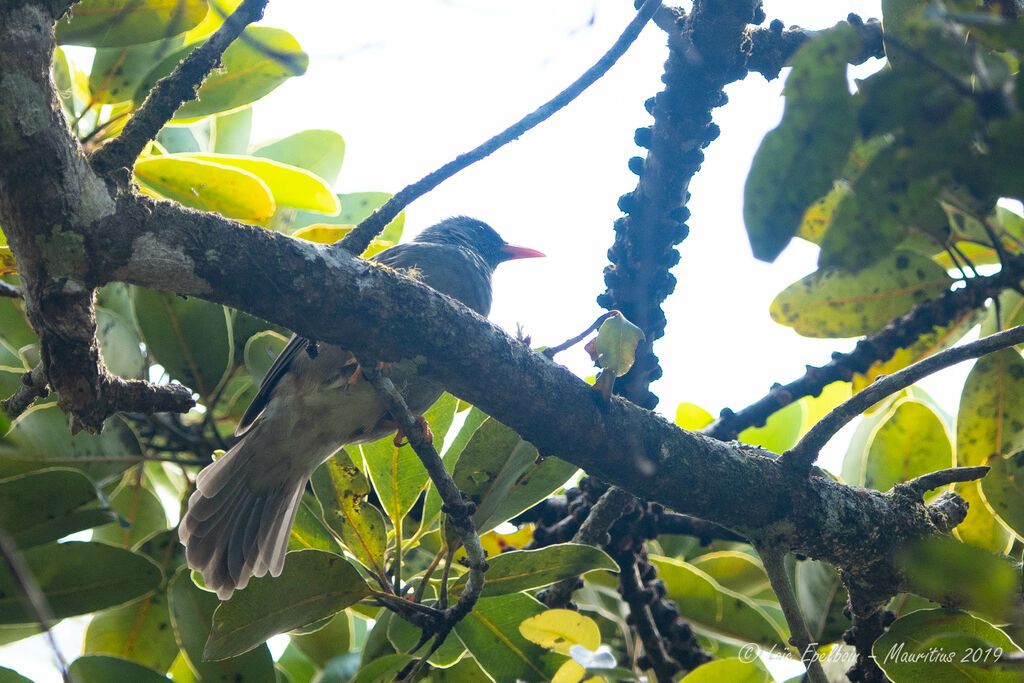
(173,91)
(360,237)
(772,47)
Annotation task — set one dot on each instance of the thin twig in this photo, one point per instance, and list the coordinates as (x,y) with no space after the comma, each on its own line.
(458,512)
(594,531)
(173,91)
(552,350)
(10,291)
(40,608)
(775,567)
(953,475)
(356,241)
(806,451)
(33,385)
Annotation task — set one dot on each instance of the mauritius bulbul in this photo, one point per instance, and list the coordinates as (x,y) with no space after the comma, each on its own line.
(311,404)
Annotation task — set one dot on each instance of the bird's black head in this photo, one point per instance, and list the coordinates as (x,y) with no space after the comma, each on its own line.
(476,236)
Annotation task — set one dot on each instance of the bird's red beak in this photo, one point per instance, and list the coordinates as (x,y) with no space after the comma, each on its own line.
(512,252)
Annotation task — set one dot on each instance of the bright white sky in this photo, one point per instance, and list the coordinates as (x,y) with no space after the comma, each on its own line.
(412,83)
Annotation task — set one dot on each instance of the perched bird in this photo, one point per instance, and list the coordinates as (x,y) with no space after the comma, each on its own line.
(311,404)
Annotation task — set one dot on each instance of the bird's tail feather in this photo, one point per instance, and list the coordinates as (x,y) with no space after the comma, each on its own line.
(232,530)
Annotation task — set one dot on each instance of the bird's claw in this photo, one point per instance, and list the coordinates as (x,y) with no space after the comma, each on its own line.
(427,434)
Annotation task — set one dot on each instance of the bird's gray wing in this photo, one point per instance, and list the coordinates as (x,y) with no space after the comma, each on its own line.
(296,345)
(392,257)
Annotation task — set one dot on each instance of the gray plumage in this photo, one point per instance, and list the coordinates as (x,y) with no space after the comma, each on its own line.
(240,516)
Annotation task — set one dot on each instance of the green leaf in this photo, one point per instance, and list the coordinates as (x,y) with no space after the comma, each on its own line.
(313,585)
(46,505)
(835,302)
(731,669)
(779,433)
(191,338)
(504,475)
(139,508)
(192,612)
(252,66)
(797,162)
(432,504)
(382,669)
(77,578)
(140,631)
(119,345)
(114,23)
(207,186)
(14,327)
(617,339)
(318,151)
(342,489)
(691,416)
(955,574)
(520,570)
(491,634)
(324,644)
(943,645)
(40,439)
(989,421)
(397,473)
(711,607)
(309,530)
(230,132)
(261,350)
(822,599)
(117,71)
(104,668)
(12,676)
(289,185)
(736,571)
(912,441)
(1004,490)
(981,528)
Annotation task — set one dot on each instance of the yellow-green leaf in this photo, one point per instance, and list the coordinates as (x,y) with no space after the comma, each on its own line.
(208,186)
(836,302)
(289,185)
(617,339)
(252,66)
(691,416)
(115,23)
(560,629)
(911,442)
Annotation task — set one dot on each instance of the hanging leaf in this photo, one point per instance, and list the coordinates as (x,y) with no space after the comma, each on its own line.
(230,132)
(791,169)
(252,66)
(104,668)
(190,338)
(46,505)
(617,339)
(902,651)
(77,578)
(1004,491)
(114,23)
(192,611)
(313,585)
(40,439)
(289,185)
(117,71)
(342,490)
(835,302)
(397,473)
(318,151)
(912,441)
(491,634)
(710,606)
(208,186)
(521,570)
